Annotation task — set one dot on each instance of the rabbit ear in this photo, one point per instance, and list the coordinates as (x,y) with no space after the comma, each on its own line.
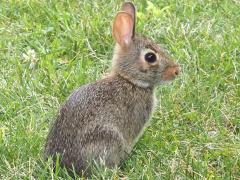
(123,25)
(130,8)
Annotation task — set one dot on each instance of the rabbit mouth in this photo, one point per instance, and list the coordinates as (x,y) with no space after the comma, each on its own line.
(167,79)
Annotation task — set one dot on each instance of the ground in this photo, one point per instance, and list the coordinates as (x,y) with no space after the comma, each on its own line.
(49,48)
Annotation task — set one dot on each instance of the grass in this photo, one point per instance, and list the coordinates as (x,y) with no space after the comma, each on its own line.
(49,48)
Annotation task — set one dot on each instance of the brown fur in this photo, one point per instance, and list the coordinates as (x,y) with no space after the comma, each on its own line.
(102,121)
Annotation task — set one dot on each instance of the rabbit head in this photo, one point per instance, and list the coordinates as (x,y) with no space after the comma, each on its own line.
(137,58)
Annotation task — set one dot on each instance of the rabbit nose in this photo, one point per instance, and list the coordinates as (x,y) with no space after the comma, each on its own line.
(177,70)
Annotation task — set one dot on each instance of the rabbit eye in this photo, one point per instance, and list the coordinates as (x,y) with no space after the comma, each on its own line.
(150,57)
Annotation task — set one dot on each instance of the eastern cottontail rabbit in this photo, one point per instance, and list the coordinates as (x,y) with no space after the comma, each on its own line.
(102,121)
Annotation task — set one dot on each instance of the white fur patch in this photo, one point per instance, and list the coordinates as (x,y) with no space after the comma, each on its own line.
(140,83)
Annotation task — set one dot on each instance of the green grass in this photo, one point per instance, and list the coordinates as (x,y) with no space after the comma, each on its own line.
(49,48)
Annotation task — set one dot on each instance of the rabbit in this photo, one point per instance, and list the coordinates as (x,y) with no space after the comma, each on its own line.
(102,121)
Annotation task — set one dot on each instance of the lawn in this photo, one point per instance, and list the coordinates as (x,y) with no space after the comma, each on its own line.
(49,48)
